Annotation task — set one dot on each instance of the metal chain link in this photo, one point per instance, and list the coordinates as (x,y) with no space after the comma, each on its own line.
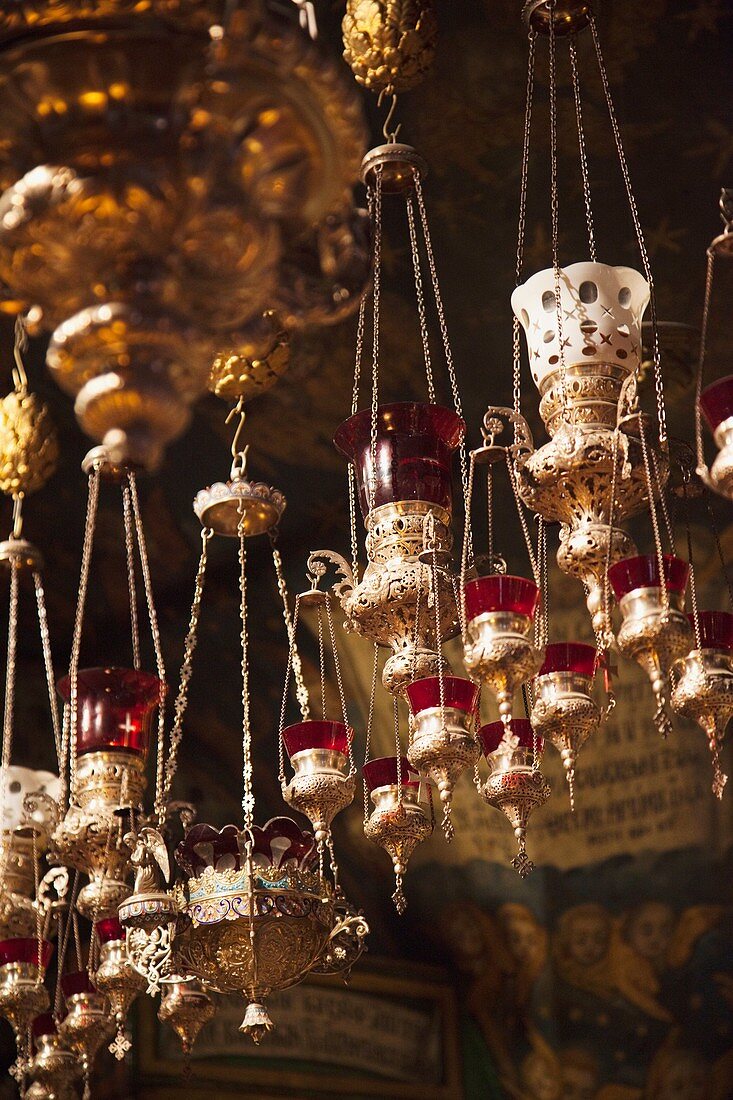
(466,548)
(339,681)
(181,702)
(447,350)
(322,664)
(301,692)
(53,703)
(555,209)
(398,746)
(154,630)
(691,566)
(369,723)
(422,316)
(522,220)
(718,547)
(376,295)
(130,554)
(248,800)
(9,703)
(86,558)
(699,446)
(513,478)
(583,154)
(658,383)
(658,550)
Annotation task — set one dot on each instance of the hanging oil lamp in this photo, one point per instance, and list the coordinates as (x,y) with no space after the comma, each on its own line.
(23,840)
(605,461)
(703,683)
(400,454)
(499,649)
(54,1070)
(87,1023)
(715,402)
(515,785)
(187,1008)
(114,710)
(404,488)
(23,996)
(116,978)
(400,817)
(320,752)
(654,630)
(442,738)
(564,710)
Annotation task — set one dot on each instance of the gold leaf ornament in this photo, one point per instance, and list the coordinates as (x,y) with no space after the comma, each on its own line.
(389,44)
(247,371)
(28,445)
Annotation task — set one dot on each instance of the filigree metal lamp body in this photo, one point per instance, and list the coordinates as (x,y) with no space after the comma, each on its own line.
(404,491)
(54,1070)
(399,820)
(323,783)
(654,631)
(187,1008)
(23,996)
(499,649)
(442,739)
(87,1023)
(716,404)
(564,711)
(703,688)
(515,785)
(116,978)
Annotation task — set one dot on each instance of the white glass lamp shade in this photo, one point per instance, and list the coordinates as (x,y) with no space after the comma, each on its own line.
(602,309)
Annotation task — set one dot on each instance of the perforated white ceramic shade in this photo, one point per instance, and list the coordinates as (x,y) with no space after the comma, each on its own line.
(20,782)
(602,310)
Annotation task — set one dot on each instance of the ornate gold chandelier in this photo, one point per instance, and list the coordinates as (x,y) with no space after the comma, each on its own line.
(159,219)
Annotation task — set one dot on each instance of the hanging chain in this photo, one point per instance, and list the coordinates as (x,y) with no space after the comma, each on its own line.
(663,503)
(466,548)
(653,514)
(48,665)
(354,538)
(513,477)
(9,707)
(447,350)
(72,711)
(542,620)
(521,227)
(691,566)
(658,383)
(339,681)
(709,276)
(398,746)
(154,630)
(376,294)
(179,707)
(301,692)
(248,801)
(284,701)
(420,298)
(490,515)
(369,723)
(583,154)
(130,553)
(322,664)
(555,207)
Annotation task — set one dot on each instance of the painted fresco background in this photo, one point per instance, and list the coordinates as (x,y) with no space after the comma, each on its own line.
(609,974)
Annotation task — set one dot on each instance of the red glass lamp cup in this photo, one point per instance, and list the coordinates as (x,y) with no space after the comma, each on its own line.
(643,572)
(109,930)
(382,772)
(458,694)
(43,1025)
(716,402)
(25,950)
(414,447)
(76,982)
(501,593)
(716,629)
(115,707)
(330,736)
(492,734)
(576,657)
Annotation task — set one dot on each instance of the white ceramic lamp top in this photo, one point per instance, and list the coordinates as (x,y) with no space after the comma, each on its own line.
(20,782)
(602,308)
